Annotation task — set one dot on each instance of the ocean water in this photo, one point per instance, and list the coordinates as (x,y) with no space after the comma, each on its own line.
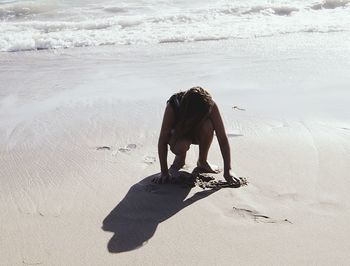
(53,24)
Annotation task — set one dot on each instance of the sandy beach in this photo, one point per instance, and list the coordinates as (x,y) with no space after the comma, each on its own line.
(78,149)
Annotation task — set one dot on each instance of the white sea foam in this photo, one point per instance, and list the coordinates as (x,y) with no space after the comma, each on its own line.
(330,4)
(50,24)
(17,10)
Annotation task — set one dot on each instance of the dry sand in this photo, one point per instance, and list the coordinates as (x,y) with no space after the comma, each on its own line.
(65,201)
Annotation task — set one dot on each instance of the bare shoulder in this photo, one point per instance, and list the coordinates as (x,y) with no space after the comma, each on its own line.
(169,112)
(168,120)
(214,112)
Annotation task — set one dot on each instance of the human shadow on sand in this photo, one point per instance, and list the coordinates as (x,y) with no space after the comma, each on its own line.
(135,219)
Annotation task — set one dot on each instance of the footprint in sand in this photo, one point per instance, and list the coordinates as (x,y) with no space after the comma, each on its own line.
(125,149)
(257,217)
(100,148)
(149,159)
(128,148)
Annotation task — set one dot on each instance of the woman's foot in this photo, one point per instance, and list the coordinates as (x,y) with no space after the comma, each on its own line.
(179,162)
(208,168)
(176,167)
(174,170)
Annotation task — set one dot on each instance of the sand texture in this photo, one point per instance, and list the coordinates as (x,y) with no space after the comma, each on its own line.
(78,151)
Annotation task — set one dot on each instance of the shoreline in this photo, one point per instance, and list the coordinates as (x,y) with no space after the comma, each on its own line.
(292,142)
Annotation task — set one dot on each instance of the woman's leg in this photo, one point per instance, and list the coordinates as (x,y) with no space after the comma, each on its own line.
(205,136)
(179,161)
(179,148)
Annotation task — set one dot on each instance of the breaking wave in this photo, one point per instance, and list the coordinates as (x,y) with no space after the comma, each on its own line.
(330,4)
(51,24)
(17,10)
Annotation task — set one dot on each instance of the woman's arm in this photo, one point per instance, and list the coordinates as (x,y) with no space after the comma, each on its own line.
(164,137)
(219,128)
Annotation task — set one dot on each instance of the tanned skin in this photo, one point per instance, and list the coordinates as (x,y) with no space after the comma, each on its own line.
(212,123)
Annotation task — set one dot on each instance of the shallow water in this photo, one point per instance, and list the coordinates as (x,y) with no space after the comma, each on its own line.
(47,24)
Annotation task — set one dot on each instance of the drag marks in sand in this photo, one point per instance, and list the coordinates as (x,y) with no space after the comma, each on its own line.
(264,204)
(256,216)
(255,205)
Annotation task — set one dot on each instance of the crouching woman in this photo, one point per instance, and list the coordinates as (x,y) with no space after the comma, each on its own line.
(192,117)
